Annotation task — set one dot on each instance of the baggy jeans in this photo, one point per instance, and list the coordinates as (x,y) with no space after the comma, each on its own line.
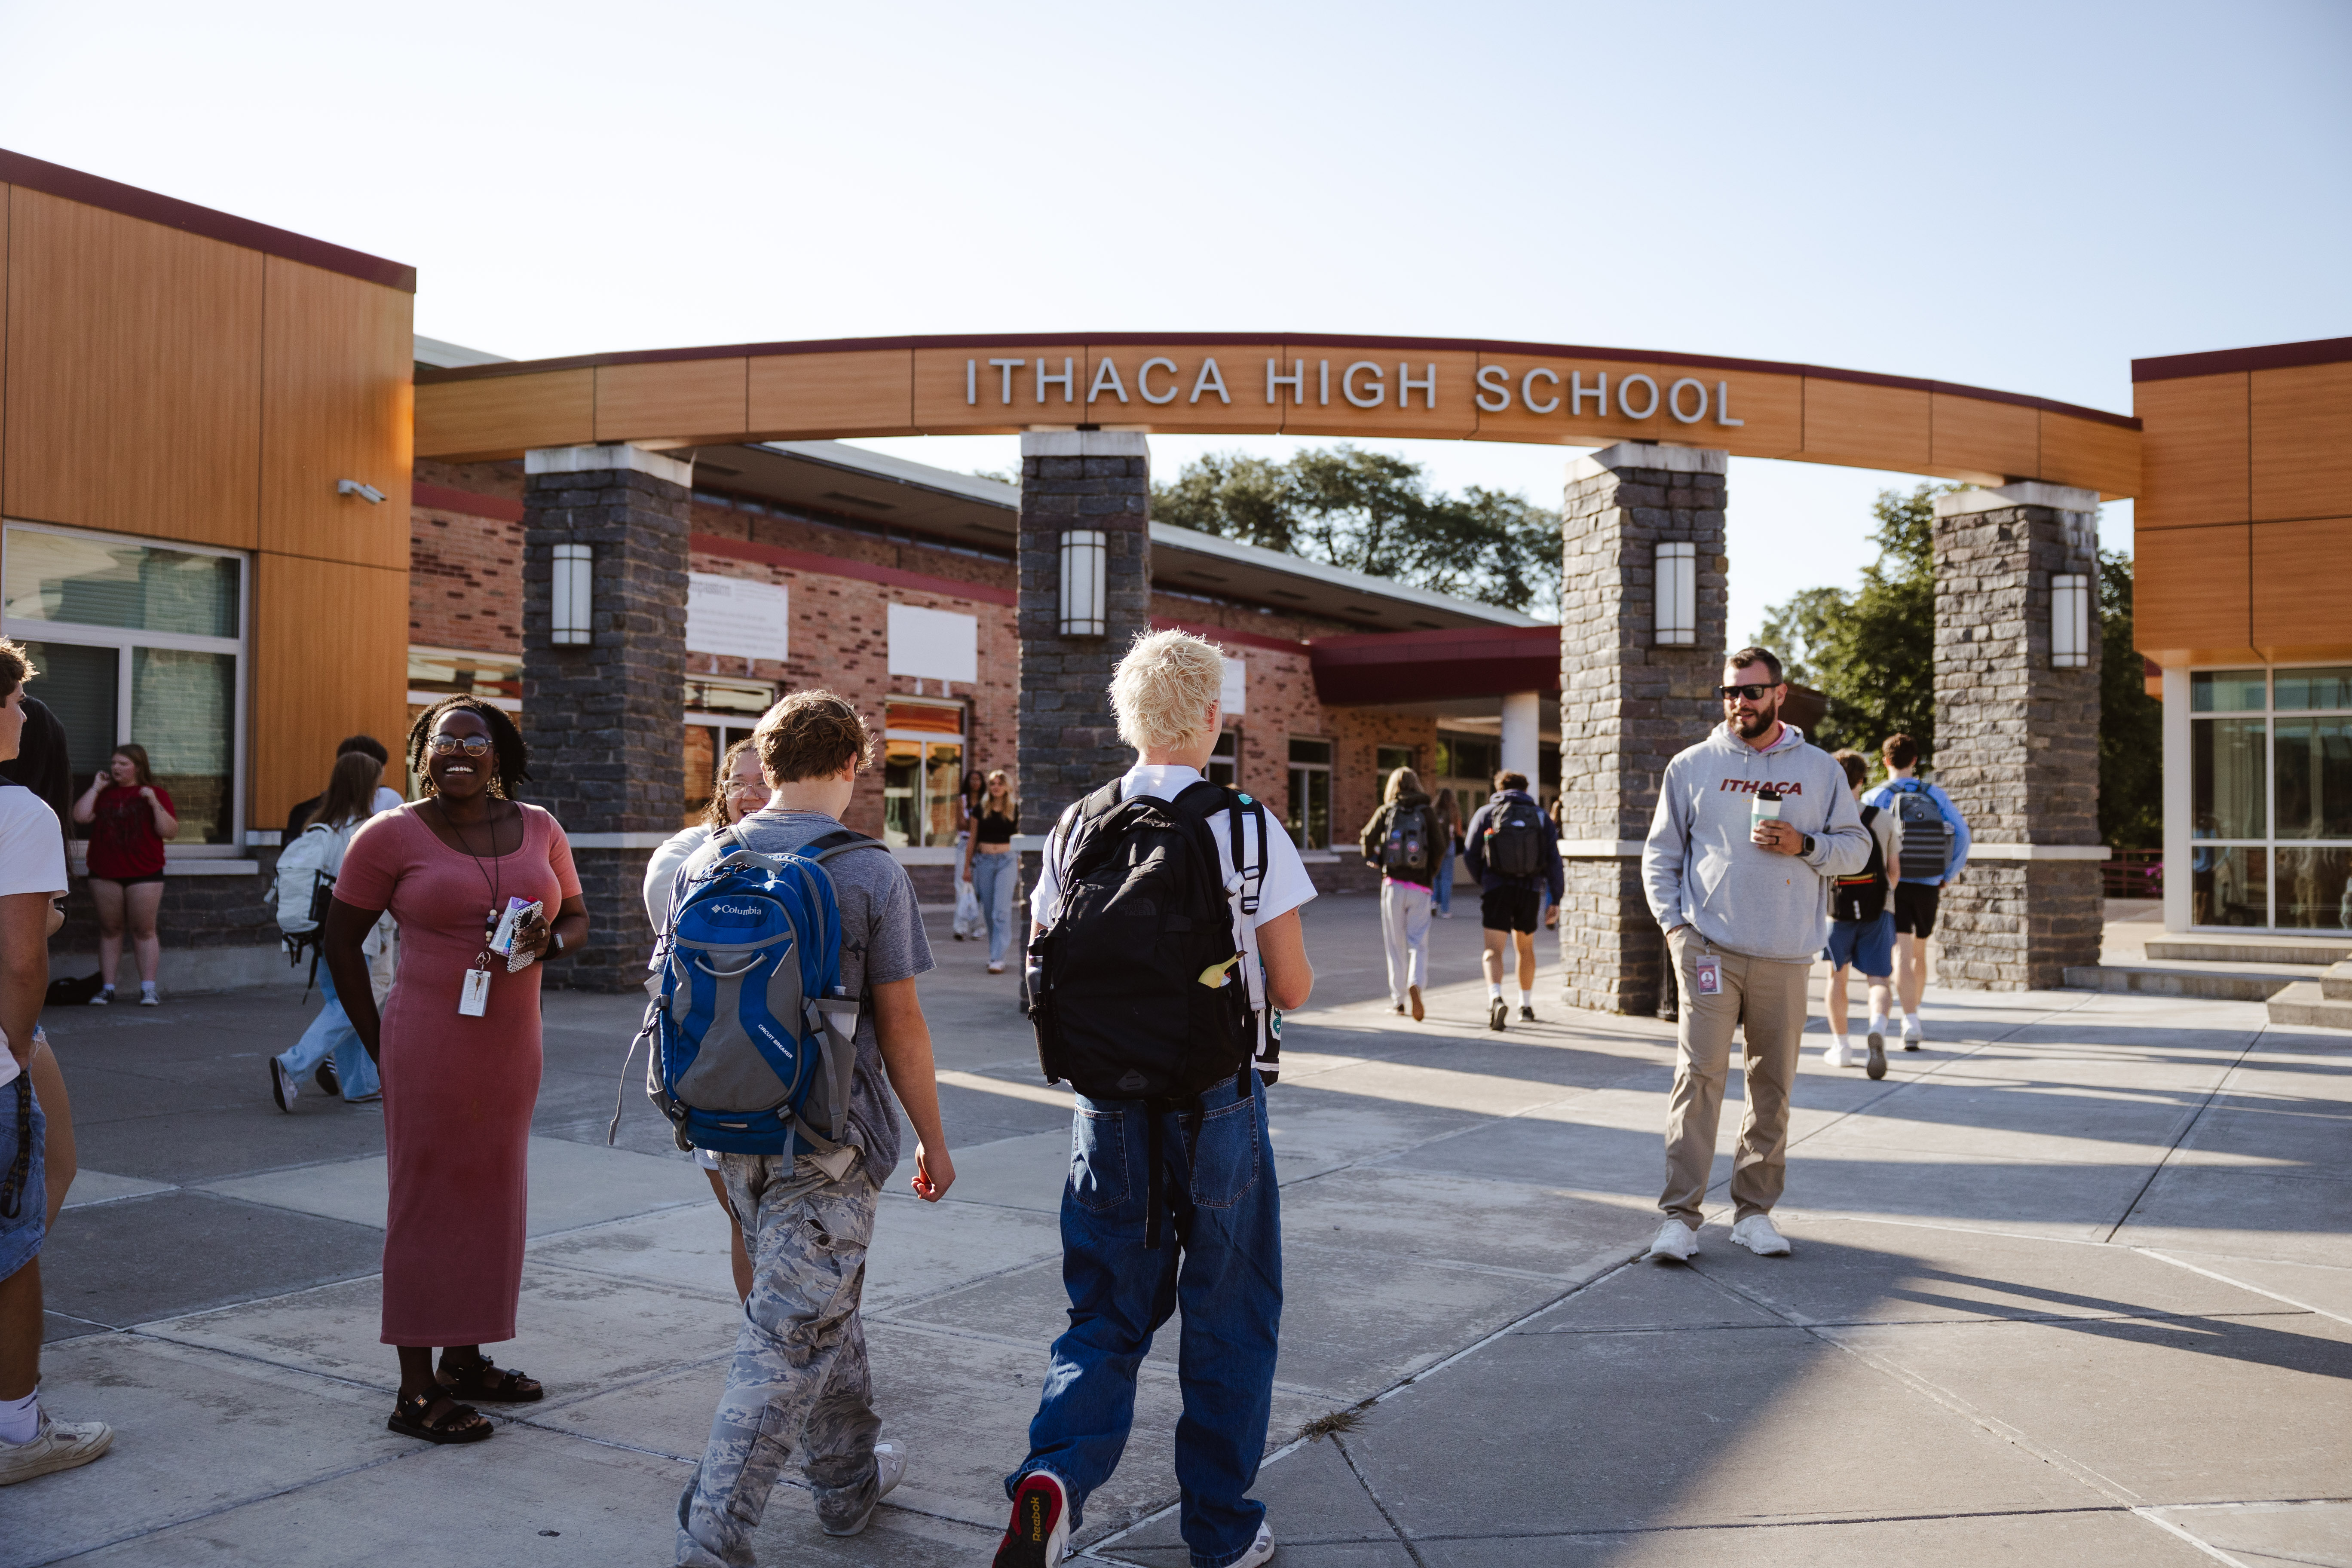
(800,1373)
(332,1032)
(1404,936)
(994,878)
(1771,997)
(1219,1255)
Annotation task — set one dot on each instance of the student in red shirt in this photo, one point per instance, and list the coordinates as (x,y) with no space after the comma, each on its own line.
(130,817)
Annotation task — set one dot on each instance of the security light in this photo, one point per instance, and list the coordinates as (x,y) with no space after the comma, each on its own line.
(367,493)
(1084,553)
(569,595)
(1677,590)
(2069,620)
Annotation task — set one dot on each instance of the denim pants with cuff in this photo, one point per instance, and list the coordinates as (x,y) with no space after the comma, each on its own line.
(1219,1255)
(332,1032)
(994,878)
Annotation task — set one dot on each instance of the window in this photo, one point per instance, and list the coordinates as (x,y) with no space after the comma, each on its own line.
(719,712)
(1388,759)
(922,771)
(1310,794)
(1224,759)
(2269,766)
(138,643)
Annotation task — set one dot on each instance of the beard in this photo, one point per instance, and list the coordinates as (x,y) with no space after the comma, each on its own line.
(1751,725)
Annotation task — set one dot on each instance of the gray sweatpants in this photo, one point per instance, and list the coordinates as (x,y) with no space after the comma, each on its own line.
(1771,997)
(799,1375)
(1404,936)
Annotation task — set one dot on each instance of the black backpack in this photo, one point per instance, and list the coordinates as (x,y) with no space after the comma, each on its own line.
(1409,850)
(1139,989)
(1926,836)
(1514,838)
(1863,897)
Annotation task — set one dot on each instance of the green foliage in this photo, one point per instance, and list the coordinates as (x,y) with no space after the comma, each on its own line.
(2131,723)
(1374,514)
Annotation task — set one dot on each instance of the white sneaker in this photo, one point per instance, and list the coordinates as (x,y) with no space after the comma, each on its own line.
(1757,1233)
(1039,1535)
(57,1445)
(1833,1054)
(282,1087)
(1677,1243)
(890,1469)
(1260,1549)
(1912,1033)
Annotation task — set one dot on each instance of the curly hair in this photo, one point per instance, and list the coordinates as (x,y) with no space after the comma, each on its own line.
(714,814)
(506,744)
(812,735)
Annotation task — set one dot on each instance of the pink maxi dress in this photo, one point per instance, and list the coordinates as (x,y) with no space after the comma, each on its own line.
(457,1092)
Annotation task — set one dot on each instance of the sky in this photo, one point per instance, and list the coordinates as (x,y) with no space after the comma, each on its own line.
(2022,196)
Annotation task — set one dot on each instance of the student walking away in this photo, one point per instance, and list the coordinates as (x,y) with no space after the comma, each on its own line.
(483,888)
(131,819)
(307,870)
(1935,838)
(1513,849)
(1861,928)
(1449,847)
(33,1442)
(1403,842)
(803,1168)
(385,797)
(1166,940)
(991,867)
(1752,825)
(738,789)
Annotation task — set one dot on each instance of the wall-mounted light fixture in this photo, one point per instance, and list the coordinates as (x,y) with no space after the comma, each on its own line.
(2069,620)
(569,596)
(1085,563)
(367,493)
(1677,588)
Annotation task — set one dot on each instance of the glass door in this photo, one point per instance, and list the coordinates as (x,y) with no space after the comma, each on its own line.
(922,772)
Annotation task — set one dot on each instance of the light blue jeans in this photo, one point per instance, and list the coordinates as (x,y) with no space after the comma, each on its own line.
(332,1032)
(994,878)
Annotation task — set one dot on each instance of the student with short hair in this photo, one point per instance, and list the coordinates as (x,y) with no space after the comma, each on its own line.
(1862,927)
(1403,841)
(1512,848)
(798,1380)
(1935,838)
(1172,1196)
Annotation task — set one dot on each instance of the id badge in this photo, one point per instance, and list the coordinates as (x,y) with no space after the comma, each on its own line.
(475,999)
(1710,976)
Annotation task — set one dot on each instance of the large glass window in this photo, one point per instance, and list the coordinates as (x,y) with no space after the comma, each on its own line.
(1310,794)
(144,644)
(922,770)
(2270,762)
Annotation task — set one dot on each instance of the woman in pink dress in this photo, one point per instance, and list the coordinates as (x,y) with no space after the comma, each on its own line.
(460,1064)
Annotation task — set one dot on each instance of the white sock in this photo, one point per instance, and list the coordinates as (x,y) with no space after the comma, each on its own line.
(1527,998)
(1910,1020)
(1878,1023)
(20,1419)
(147,988)
(1494,990)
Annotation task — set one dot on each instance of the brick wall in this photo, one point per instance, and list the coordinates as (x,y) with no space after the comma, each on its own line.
(465,581)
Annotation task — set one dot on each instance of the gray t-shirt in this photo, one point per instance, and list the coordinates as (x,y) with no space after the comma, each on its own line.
(882,941)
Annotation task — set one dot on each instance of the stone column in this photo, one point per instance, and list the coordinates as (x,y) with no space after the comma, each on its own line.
(1074,479)
(1627,704)
(602,717)
(2017,741)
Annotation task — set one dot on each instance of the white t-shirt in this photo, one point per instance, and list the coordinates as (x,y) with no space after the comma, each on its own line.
(386,799)
(661,872)
(1287,884)
(32,860)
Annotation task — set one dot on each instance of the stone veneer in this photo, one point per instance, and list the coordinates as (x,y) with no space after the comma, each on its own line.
(1626,705)
(2017,741)
(601,719)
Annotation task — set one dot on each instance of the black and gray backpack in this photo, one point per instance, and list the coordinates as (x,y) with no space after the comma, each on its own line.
(1926,836)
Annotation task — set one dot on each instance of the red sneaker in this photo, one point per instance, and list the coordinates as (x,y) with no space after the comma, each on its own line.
(1039,1535)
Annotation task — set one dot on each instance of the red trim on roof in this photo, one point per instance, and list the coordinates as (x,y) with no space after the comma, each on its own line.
(863,572)
(1228,636)
(1418,667)
(2221,361)
(441,498)
(91,190)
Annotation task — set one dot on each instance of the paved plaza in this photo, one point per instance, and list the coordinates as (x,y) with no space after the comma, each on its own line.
(2072,1285)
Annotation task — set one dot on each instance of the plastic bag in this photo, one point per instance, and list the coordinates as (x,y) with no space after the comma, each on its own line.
(970,923)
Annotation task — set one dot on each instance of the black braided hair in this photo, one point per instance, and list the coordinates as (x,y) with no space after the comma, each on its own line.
(506,743)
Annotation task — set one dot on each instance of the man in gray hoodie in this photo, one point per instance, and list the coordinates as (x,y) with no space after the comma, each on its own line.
(1753,824)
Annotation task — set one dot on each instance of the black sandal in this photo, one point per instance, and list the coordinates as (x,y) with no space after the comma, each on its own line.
(412,1416)
(493,1384)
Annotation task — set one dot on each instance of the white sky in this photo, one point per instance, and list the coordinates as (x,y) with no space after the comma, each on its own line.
(2013,196)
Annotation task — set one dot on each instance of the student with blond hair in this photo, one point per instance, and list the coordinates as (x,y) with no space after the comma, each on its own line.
(1402,842)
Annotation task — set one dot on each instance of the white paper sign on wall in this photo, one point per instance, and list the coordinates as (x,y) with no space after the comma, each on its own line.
(1235,697)
(934,644)
(736,617)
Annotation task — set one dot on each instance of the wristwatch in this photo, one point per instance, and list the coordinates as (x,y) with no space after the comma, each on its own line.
(1807,848)
(556,937)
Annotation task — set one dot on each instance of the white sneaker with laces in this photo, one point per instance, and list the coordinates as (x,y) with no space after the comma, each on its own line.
(890,1469)
(57,1445)
(1757,1233)
(1260,1550)
(1833,1054)
(1912,1033)
(1677,1243)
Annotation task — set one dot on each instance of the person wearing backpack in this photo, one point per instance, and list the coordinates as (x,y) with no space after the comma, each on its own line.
(835,917)
(1166,941)
(1404,842)
(1513,849)
(1862,927)
(1935,838)
(307,869)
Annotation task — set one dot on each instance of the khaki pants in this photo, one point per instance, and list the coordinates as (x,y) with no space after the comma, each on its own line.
(1771,995)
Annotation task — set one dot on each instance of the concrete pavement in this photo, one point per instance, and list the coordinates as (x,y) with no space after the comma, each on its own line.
(2075,1281)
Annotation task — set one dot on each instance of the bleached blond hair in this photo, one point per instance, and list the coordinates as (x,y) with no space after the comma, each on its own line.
(1162,690)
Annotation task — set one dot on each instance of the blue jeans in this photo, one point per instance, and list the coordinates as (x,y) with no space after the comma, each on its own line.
(993,879)
(1219,1255)
(331,1031)
(1443,892)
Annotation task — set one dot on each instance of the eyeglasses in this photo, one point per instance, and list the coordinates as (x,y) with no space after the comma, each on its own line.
(1752,693)
(450,745)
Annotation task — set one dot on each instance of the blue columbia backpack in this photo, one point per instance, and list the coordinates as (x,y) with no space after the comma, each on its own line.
(753,1037)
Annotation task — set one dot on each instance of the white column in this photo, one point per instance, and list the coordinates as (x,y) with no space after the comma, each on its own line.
(1522,719)
(2177,816)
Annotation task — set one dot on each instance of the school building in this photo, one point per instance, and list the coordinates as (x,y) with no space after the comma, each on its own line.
(247,512)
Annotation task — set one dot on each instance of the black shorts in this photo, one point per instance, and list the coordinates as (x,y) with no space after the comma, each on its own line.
(1510,909)
(1915,908)
(129,881)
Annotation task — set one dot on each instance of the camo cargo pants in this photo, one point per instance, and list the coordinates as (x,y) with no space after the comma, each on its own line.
(799,1375)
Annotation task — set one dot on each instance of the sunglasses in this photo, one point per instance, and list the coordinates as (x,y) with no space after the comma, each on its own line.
(1752,693)
(450,745)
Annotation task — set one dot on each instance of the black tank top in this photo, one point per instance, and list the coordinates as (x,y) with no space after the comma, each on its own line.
(991,829)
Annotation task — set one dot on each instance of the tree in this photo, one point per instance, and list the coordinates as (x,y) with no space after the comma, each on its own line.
(1374,514)
(2131,723)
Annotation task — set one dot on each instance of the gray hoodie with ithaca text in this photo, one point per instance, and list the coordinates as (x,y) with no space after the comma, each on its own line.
(1699,869)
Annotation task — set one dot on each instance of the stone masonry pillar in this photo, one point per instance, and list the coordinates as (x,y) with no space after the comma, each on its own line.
(1628,702)
(602,717)
(1071,480)
(2017,739)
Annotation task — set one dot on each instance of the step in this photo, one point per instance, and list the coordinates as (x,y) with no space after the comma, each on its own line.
(2336,981)
(2318,950)
(2214,984)
(2302,1004)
